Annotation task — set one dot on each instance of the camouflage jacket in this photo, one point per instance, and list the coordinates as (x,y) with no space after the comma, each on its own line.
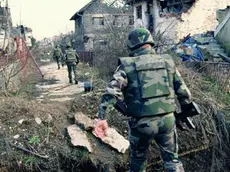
(70,56)
(148,83)
(57,53)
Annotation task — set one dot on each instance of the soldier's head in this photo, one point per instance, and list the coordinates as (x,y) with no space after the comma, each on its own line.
(139,37)
(68,45)
(57,46)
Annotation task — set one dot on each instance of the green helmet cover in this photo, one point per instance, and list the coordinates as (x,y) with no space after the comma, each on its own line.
(139,37)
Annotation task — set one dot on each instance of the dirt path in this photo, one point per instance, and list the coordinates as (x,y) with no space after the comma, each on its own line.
(55,86)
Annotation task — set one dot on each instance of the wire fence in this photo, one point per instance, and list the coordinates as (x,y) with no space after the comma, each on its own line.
(19,69)
(86,56)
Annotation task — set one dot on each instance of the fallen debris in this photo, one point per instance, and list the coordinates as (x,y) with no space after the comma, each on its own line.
(224,57)
(38,120)
(201,47)
(115,140)
(78,137)
(84,121)
(20,121)
(16,136)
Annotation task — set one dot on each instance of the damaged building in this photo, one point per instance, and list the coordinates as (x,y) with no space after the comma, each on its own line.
(24,33)
(176,18)
(95,20)
(151,13)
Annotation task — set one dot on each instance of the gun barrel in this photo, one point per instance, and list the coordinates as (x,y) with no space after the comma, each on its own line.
(188,111)
(189,123)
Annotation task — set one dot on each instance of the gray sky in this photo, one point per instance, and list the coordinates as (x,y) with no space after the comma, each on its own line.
(46,17)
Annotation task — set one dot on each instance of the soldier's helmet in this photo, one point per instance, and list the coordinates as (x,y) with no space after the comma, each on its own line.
(57,46)
(139,37)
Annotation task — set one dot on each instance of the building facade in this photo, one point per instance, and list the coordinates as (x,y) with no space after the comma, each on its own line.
(97,19)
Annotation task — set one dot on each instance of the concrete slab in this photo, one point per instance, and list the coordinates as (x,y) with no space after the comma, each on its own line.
(84,121)
(78,137)
(115,140)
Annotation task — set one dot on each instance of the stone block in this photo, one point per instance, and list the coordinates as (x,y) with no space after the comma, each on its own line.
(84,121)
(115,140)
(78,137)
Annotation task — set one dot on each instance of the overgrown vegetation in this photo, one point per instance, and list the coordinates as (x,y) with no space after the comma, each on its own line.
(108,48)
(28,145)
(204,149)
(211,136)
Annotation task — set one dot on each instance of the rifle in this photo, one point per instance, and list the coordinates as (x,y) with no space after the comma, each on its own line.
(121,107)
(188,110)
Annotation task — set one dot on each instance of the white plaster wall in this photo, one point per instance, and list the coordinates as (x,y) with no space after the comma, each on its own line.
(201,17)
(144,22)
(28,36)
(163,25)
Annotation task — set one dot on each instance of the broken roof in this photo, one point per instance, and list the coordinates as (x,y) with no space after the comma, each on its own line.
(76,15)
(104,3)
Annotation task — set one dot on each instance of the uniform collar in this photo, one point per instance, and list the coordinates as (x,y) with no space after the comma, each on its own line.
(141,51)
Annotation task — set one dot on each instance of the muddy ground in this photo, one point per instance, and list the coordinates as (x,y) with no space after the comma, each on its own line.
(33,133)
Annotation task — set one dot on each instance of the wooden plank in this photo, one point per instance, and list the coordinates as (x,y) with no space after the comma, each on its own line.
(222,24)
(224,57)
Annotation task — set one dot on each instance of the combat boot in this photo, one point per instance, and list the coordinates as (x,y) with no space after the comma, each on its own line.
(70,81)
(76,82)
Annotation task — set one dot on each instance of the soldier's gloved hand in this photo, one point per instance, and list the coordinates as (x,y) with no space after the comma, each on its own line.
(101,128)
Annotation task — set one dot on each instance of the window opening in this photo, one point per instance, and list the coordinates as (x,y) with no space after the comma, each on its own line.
(139,11)
(98,21)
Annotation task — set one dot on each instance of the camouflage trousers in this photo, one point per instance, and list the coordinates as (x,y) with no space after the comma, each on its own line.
(163,130)
(72,68)
(58,60)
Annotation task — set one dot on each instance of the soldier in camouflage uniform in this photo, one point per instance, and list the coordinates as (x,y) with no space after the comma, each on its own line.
(57,55)
(148,82)
(71,58)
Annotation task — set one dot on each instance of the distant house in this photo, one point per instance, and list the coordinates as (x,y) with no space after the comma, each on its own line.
(176,18)
(5,29)
(98,18)
(28,36)
(23,32)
